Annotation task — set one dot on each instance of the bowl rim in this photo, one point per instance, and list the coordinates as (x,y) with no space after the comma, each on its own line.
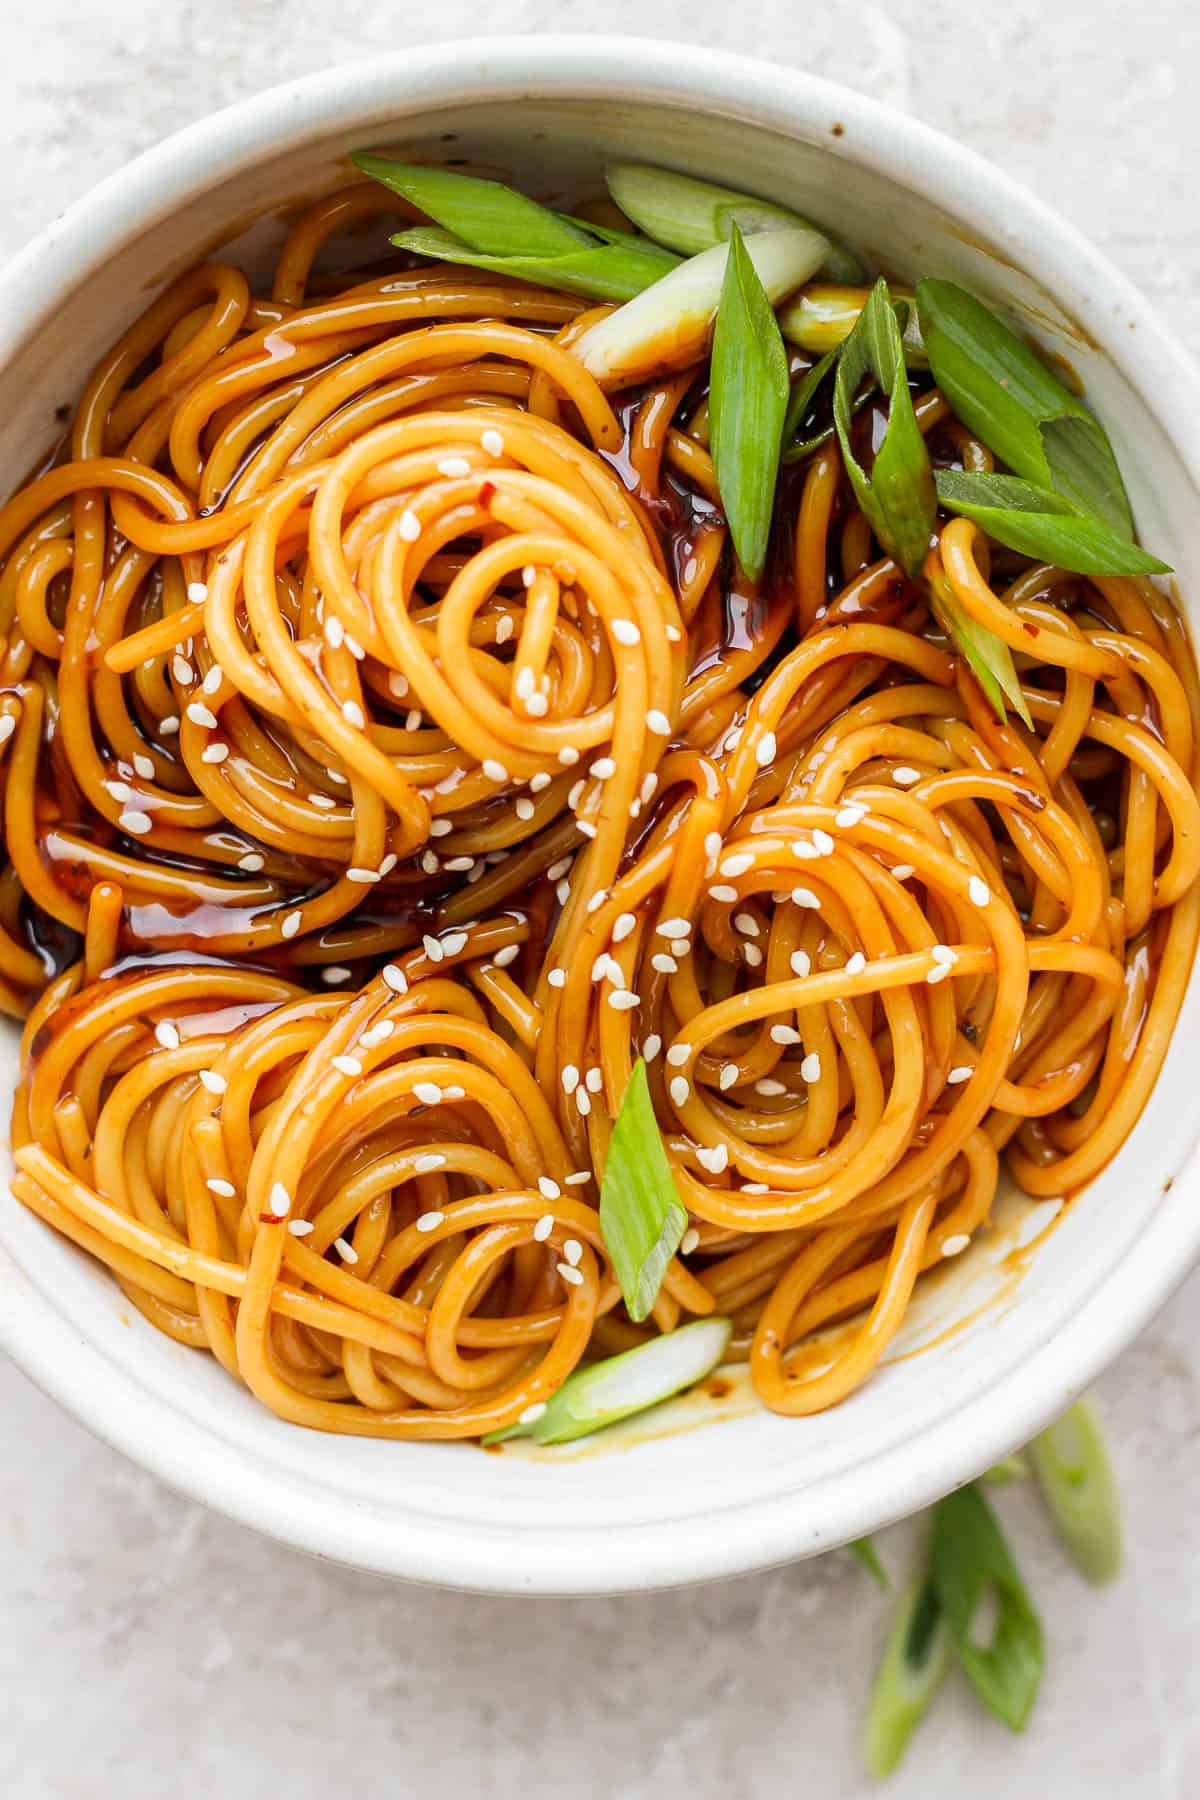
(751,1534)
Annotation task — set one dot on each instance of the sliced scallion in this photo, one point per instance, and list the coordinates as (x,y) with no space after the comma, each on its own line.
(1040,523)
(864,1549)
(641,1215)
(598,271)
(488,216)
(747,400)
(988,657)
(629,1383)
(912,1668)
(1008,1469)
(1074,1473)
(968,1561)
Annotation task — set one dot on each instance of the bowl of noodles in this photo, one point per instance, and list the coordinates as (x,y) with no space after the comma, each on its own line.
(598,737)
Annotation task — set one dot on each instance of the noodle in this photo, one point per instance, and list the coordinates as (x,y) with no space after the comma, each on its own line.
(392,755)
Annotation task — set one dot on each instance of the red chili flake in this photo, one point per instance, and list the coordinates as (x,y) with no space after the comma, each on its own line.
(486,491)
(269,1219)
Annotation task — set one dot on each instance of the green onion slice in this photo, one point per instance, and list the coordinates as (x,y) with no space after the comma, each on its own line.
(605,271)
(629,1383)
(898,495)
(913,1666)
(1008,1469)
(867,1554)
(748,397)
(1076,1478)
(690,215)
(988,657)
(641,1215)
(968,1561)
(1042,524)
(1008,398)
(488,216)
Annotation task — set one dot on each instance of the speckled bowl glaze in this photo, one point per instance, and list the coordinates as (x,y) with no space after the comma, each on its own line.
(1008,1334)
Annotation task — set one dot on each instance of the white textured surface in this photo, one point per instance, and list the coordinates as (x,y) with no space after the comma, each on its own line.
(138,1628)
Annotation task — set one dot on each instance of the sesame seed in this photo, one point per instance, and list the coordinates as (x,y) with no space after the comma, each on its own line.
(573,1251)
(410,526)
(493,770)
(804,849)
(626,632)
(674,635)
(752,955)
(673,928)
(784,1034)
(727,1077)
(389,862)
(680,947)
(212,681)
(575,793)
(568,755)
(345,1250)
(557,978)
(746,923)
(454,1093)
(583,1101)
(602,768)
(167,1034)
(492,442)
(363,876)
(586,826)
(376,1034)
(978,891)
(715,1160)
(755,1187)
(579,1178)
(166,727)
(722,892)
(197,592)
(651,1047)
(353,713)
(394,978)
(412,719)
(712,849)
(212,1082)
(964,1072)
(544,1227)
(291,925)
(621,1000)
(955,1245)
(200,714)
(548,1188)
(649,784)
(942,953)
(665,965)
(525,684)
(334,630)
(680,1089)
(938,973)
(528,575)
(279,1201)
(427,1092)
(732,739)
(846,816)
(214,753)
(507,955)
(771,1090)
(658,722)
(623,924)
(454,467)
(143,766)
(453,942)
(182,670)
(902,871)
(822,842)
(570,1275)
(533,1412)
(441,827)
(300,1227)
(569,1078)
(135,821)
(457,865)
(737,865)
(346,1065)
(216,1184)
(322,802)
(803,896)
(433,948)
(397,685)
(429,862)
(801,963)
(764,750)
(524,809)
(906,777)
(810,1068)
(252,862)
(856,964)
(689,1241)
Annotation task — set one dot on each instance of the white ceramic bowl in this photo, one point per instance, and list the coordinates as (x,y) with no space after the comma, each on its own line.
(1006,1337)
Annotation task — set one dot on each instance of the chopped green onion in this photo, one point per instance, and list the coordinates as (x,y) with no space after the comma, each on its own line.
(1040,523)
(821,318)
(968,1560)
(747,400)
(606,271)
(1071,1463)
(641,1215)
(800,402)
(1008,398)
(988,657)
(897,497)
(1008,1469)
(667,325)
(628,1383)
(489,217)
(868,1556)
(690,215)
(914,1663)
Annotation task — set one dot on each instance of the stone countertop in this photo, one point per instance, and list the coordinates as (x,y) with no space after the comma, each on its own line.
(141,1632)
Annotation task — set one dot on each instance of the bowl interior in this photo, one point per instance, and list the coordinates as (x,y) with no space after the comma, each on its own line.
(714,1484)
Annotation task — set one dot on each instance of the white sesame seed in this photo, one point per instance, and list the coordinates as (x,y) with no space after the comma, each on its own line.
(427,1092)
(353,714)
(803,896)
(621,1000)
(822,842)
(548,1188)
(856,963)
(715,1160)
(394,978)
(764,750)
(623,924)
(216,1184)
(942,953)
(689,1241)
(8,725)
(454,467)
(583,1101)
(376,1034)
(364,877)
(135,821)
(955,1245)
(727,1077)
(680,1089)
(586,826)
(573,1251)
(252,862)
(557,978)
(142,766)
(846,816)
(429,862)
(732,739)
(291,924)
(200,714)
(279,1201)
(964,1072)
(575,793)
(580,1178)
(300,1227)
(752,955)
(978,891)
(649,784)
(429,1221)
(746,923)
(166,727)
(569,1078)
(674,635)
(801,963)
(722,892)
(493,770)
(322,802)
(197,592)
(346,1065)
(397,685)
(410,526)
(335,631)
(665,965)
(626,632)
(212,681)
(602,768)
(606,967)
(712,849)
(573,1276)
(755,1187)
(492,442)
(737,865)
(771,1090)
(658,722)
(805,849)
(412,719)
(938,973)
(902,871)
(212,1082)
(784,1034)
(525,684)
(680,947)
(454,1093)
(453,942)
(544,1227)
(524,809)
(441,827)
(433,948)
(508,954)
(182,670)
(810,1067)
(345,1250)
(214,753)
(167,1034)
(568,755)
(906,777)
